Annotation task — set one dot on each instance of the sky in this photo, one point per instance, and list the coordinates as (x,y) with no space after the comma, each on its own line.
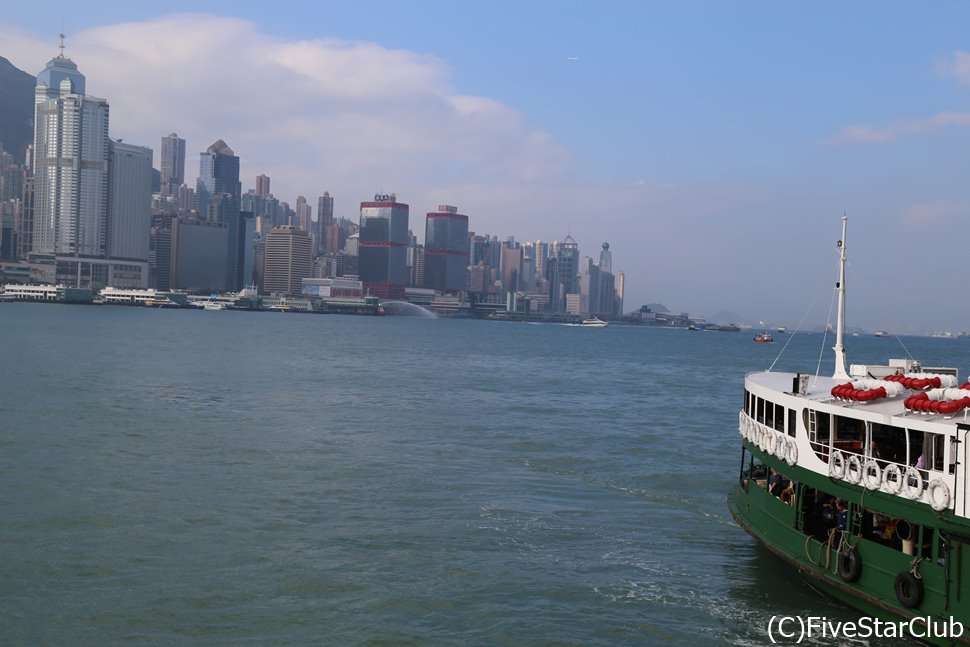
(714,145)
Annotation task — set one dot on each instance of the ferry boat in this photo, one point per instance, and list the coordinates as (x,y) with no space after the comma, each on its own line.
(860,481)
(595,322)
(764,338)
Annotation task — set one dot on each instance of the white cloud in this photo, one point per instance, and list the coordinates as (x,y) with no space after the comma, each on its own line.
(315,115)
(956,67)
(866,134)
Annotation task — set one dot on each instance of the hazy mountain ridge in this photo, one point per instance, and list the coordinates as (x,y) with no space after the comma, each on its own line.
(16,109)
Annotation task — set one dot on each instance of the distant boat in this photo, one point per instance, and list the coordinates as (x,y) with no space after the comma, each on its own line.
(214,305)
(881,333)
(594,323)
(764,338)
(728,328)
(782,329)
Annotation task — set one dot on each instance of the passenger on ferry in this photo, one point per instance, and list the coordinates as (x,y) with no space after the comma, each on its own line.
(774,483)
(841,514)
(788,495)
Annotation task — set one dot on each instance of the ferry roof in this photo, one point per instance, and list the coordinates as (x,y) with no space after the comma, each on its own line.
(820,391)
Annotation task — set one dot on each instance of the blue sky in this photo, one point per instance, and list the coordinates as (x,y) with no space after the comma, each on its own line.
(714,145)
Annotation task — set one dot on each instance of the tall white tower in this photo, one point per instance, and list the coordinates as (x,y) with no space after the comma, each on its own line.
(70,163)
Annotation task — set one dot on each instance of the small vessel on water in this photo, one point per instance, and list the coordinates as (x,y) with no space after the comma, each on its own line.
(860,482)
(764,338)
(594,322)
(727,328)
(214,305)
(880,333)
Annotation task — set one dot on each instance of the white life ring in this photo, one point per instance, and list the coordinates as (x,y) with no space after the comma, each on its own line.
(909,490)
(769,441)
(791,455)
(781,448)
(942,502)
(871,475)
(837,464)
(853,469)
(892,478)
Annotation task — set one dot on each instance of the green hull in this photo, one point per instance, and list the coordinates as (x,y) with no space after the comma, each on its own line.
(944,569)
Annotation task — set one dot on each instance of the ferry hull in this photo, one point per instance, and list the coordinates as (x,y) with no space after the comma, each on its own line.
(773,525)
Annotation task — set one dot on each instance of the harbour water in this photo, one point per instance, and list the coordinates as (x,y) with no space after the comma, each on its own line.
(174,477)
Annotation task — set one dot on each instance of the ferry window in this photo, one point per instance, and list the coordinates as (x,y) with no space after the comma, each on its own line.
(791,422)
(779,418)
(889,443)
(933,446)
(761,410)
(747,398)
(849,434)
(916,448)
(818,427)
(951,459)
(769,414)
(753,468)
(821,513)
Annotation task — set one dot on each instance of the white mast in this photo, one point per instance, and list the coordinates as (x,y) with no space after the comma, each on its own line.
(840,372)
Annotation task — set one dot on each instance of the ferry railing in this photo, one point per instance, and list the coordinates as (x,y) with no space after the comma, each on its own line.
(930,486)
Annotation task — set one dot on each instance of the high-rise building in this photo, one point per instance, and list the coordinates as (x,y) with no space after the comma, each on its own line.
(562,274)
(606,259)
(247,248)
(303,214)
(446,250)
(383,246)
(129,201)
(70,164)
(511,266)
(619,293)
(288,260)
(326,242)
(198,260)
(172,163)
(262,186)
(219,197)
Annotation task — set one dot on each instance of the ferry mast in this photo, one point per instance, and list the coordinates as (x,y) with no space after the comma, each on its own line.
(839,348)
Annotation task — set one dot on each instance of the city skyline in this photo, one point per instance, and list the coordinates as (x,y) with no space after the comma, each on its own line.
(716,158)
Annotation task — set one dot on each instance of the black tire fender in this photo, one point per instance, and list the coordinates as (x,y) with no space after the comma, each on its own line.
(849,564)
(909,590)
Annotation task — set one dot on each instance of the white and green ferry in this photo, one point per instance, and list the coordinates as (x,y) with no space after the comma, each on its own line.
(860,481)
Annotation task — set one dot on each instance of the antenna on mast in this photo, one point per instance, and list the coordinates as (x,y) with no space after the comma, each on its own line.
(62,38)
(839,348)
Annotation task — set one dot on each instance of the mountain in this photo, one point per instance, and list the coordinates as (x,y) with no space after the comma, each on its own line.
(16,109)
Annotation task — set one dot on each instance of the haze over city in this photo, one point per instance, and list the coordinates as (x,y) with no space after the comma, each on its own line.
(714,146)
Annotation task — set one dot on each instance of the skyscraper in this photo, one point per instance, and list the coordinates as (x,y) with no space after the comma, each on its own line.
(172,163)
(129,201)
(606,259)
(288,260)
(262,185)
(70,161)
(303,214)
(383,246)
(326,242)
(446,250)
(218,194)
(563,273)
